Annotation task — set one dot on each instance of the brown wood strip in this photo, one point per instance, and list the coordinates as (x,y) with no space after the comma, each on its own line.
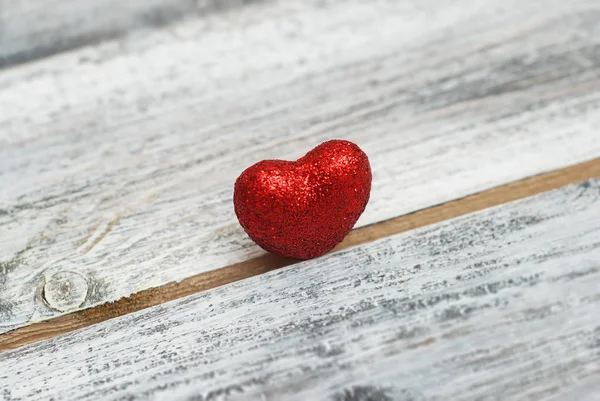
(201,282)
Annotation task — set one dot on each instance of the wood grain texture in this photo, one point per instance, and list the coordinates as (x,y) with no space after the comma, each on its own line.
(501,304)
(117,160)
(31,30)
(263,264)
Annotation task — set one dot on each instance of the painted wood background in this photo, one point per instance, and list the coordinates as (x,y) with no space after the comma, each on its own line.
(498,305)
(118,151)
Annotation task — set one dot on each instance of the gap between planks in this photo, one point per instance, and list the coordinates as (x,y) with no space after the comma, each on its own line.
(263,264)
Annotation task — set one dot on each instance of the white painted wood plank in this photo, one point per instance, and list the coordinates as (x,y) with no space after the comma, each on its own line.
(498,305)
(34,29)
(117,161)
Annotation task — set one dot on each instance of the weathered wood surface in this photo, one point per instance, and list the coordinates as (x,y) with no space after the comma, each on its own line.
(117,160)
(498,305)
(34,29)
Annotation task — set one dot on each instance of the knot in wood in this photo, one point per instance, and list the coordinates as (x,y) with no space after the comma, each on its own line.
(65,290)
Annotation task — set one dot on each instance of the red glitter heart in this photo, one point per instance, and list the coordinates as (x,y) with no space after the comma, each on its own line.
(303,209)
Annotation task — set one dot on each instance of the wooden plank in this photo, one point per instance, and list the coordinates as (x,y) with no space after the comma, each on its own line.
(31,30)
(205,281)
(501,304)
(118,160)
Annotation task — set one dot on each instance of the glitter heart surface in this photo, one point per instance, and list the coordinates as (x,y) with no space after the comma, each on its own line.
(303,209)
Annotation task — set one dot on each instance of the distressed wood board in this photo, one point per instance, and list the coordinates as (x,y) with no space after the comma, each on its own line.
(117,159)
(501,304)
(64,25)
